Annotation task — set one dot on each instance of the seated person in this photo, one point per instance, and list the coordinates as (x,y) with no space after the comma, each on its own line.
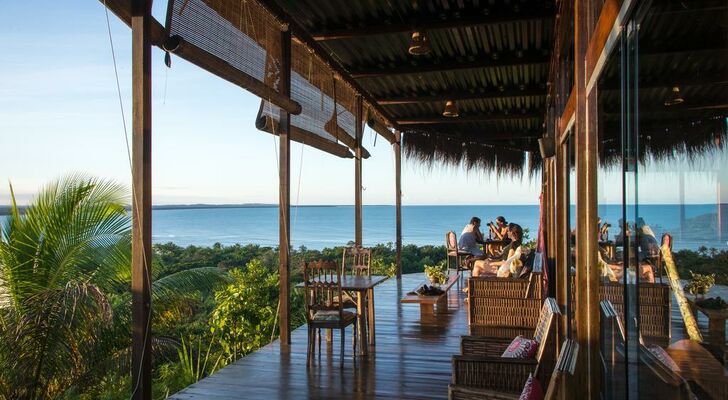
(646,240)
(499,229)
(471,237)
(509,254)
(614,271)
(499,236)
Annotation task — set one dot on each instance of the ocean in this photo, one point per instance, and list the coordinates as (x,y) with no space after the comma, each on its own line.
(316,227)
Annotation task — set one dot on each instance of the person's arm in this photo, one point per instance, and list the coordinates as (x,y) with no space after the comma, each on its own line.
(495,231)
(479,236)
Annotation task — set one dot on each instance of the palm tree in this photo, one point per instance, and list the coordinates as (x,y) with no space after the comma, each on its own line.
(65,287)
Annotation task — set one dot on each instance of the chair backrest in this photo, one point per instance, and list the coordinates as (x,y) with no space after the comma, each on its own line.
(451,241)
(545,328)
(565,364)
(357,261)
(322,286)
(548,309)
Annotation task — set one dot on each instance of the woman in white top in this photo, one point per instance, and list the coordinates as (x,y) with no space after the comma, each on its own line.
(471,237)
(510,254)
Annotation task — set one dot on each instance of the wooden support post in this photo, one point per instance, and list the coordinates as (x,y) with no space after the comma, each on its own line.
(549,230)
(141,262)
(357,173)
(284,201)
(397,146)
(562,236)
(587,377)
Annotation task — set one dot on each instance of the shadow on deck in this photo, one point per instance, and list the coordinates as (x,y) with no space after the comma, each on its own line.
(412,358)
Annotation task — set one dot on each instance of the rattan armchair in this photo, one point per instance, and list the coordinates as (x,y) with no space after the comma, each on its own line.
(503,307)
(480,367)
(565,365)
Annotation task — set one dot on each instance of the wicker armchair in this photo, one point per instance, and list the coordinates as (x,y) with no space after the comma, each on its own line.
(655,308)
(514,288)
(481,368)
(503,307)
(565,365)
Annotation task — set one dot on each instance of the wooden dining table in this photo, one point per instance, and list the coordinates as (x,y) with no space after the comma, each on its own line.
(363,286)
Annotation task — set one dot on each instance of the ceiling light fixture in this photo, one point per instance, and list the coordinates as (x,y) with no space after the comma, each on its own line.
(451,110)
(676,98)
(419,44)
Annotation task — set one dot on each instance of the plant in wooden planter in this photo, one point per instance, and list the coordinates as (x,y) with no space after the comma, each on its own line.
(700,284)
(435,273)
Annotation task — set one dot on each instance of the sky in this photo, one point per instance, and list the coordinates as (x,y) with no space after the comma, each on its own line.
(60,114)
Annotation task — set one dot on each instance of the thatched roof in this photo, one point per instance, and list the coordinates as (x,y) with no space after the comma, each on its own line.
(683,46)
(494,59)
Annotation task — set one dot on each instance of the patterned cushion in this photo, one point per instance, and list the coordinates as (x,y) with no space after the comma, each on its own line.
(532,389)
(329,315)
(521,347)
(664,358)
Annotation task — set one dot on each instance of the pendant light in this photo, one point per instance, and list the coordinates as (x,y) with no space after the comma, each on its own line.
(676,98)
(419,44)
(451,110)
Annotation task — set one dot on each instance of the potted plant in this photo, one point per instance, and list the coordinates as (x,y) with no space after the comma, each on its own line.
(435,274)
(700,284)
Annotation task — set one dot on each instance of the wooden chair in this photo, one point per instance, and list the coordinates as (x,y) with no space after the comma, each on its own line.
(357,261)
(480,368)
(451,244)
(322,285)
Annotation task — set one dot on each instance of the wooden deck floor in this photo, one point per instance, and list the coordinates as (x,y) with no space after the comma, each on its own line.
(411,359)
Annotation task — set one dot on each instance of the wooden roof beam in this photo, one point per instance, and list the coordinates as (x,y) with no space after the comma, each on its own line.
(484,61)
(468,118)
(297,30)
(457,20)
(471,94)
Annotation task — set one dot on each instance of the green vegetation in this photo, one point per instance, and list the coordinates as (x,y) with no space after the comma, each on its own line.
(704,261)
(65,302)
(700,284)
(436,273)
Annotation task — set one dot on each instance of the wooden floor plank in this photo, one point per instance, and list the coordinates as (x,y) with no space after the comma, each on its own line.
(411,360)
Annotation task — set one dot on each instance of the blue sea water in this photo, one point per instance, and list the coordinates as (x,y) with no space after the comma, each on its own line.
(317,227)
(326,226)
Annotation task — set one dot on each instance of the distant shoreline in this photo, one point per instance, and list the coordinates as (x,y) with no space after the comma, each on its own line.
(5,209)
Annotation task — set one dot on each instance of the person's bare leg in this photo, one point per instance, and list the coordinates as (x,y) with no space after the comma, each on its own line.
(648,274)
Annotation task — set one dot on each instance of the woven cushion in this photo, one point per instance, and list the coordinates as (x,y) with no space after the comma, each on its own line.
(331,315)
(521,347)
(532,389)
(664,358)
